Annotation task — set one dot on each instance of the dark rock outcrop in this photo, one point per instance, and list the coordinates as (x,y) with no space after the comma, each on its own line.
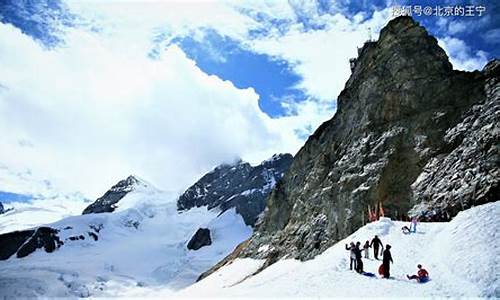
(44,237)
(23,243)
(395,119)
(12,241)
(3,210)
(237,185)
(200,239)
(107,203)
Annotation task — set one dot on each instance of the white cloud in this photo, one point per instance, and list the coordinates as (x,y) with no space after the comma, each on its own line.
(462,57)
(492,36)
(94,113)
(322,57)
(142,18)
(98,108)
(455,27)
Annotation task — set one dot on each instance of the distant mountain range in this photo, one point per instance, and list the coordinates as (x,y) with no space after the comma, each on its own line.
(186,235)
(238,185)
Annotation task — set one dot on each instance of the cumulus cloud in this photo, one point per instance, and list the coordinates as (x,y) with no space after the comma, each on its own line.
(99,108)
(321,57)
(462,57)
(492,36)
(94,112)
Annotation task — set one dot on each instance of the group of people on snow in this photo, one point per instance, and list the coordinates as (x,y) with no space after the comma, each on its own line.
(356,263)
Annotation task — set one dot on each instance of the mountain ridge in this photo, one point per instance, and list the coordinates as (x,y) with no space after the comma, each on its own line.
(238,185)
(108,201)
(393,115)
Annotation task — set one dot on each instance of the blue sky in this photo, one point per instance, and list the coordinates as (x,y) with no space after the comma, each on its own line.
(273,78)
(167,90)
(6,197)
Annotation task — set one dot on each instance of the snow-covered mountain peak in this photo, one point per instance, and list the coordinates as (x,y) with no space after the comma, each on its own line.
(97,253)
(109,201)
(241,185)
(276,157)
(236,164)
(130,184)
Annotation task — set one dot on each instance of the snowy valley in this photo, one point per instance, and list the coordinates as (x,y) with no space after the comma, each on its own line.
(133,238)
(143,244)
(151,259)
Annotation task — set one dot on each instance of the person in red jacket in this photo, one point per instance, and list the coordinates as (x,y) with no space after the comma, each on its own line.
(422,275)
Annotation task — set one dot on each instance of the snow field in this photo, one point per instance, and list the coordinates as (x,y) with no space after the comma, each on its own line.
(461,257)
(26,215)
(141,249)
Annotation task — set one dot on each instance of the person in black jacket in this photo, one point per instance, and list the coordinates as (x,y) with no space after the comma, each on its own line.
(386,260)
(376,242)
(359,262)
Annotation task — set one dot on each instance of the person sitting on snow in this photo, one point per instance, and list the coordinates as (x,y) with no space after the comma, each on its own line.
(352,255)
(422,275)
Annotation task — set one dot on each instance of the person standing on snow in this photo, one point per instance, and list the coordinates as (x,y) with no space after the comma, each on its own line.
(352,255)
(386,260)
(376,242)
(422,275)
(365,248)
(413,225)
(359,262)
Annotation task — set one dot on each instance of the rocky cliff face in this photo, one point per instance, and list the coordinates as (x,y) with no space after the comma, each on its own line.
(237,185)
(409,130)
(108,201)
(468,174)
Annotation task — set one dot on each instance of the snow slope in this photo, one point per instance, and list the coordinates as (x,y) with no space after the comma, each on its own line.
(40,211)
(141,247)
(462,257)
(40,201)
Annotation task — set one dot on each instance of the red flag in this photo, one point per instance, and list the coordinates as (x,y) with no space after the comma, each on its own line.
(381,212)
(371,214)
